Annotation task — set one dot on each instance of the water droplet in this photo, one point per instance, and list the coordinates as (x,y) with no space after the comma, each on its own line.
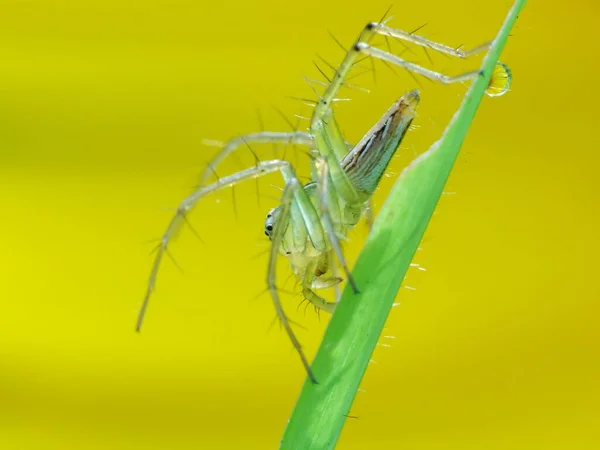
(500,81)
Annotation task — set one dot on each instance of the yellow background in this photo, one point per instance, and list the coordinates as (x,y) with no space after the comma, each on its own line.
(103,108)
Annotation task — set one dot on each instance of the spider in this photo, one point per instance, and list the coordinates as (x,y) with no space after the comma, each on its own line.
(307,225)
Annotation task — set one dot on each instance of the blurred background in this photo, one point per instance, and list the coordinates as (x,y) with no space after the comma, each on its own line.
(103,110)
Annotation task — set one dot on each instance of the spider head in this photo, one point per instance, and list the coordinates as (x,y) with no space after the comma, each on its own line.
(269,223)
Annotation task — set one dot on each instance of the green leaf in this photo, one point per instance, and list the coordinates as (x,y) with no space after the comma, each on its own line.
(358,320)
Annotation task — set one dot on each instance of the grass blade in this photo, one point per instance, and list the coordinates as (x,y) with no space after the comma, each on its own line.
(356,325)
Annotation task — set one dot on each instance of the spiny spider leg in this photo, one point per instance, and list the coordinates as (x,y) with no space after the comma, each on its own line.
(310,295)
(323,110)
(336,287)
(324,195)
(262,137)
(363,47)
(280,225)
(307,219)
(380,28)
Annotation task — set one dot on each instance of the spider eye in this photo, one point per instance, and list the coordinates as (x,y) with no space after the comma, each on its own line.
(266,233)
(269,227)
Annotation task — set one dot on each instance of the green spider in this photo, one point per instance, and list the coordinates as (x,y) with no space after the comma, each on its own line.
(307,225)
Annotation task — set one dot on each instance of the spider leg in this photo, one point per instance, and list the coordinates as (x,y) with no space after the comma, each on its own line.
(281,223)
(307,290)
(336,287)
(380,28)
(292,197)
(187,205)
(323,109)
(364,48)
(261,137)
(324,195)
